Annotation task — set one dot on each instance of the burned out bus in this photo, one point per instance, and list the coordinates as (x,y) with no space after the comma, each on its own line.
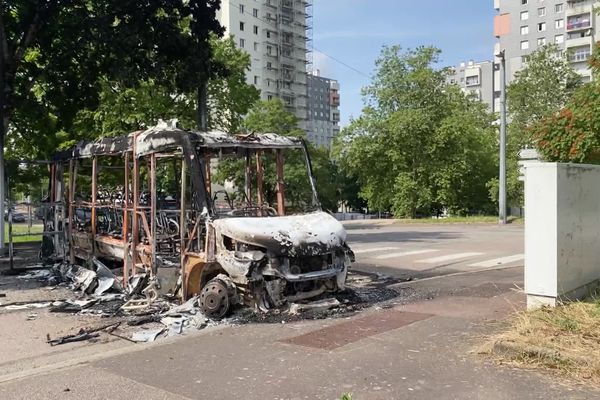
(148,202)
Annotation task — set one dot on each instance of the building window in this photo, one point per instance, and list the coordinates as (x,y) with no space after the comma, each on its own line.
(541,11)
(269,97)
(242,43)
(268,34)
(255,80)
(541,41)
(269,65)
(524,44)
(269,50)
(242,26)
(255,13)
(542,27)
(524,15)
(559,7)
(241,8)
(255,29)
(524,2)
(559,23)
(525,59)
(558,39)
(524,30)
(255,46)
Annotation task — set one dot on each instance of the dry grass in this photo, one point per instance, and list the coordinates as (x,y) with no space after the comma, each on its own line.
(565,339)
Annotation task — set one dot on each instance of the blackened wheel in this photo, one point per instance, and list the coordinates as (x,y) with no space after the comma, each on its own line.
(214,300)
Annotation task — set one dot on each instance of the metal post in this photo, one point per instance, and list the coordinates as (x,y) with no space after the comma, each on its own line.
(183,227)
(94,200)
(153,211)
(125,205)
(502,179)
(280,183)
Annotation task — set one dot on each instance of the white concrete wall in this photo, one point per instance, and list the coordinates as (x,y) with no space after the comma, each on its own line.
(562,231)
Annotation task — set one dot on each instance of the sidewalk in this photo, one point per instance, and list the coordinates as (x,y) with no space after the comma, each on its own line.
(421,350)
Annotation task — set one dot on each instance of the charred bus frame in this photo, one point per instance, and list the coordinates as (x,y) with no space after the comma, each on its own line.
(255,255)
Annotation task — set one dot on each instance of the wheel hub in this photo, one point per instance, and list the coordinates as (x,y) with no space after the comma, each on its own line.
(214,300)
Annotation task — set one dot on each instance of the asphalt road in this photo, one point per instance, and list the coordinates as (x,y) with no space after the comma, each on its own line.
(422,349)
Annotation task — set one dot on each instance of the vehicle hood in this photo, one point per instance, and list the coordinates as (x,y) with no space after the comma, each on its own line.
(293,236)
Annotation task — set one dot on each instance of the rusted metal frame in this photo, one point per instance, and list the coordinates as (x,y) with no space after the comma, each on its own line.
(182,226)
(192,235)
(72,189)
(280,182)
(135,226)
(153,206)
(259,181)
(61,200)
(94,199)
(145,225)
(248,178)
(126,221)
(208,177)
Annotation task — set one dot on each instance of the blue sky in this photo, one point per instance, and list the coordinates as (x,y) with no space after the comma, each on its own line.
(353,32)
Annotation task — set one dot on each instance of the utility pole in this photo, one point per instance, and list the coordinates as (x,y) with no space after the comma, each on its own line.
(502,179)
(3,129)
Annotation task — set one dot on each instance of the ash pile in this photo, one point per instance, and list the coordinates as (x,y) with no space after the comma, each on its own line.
(136,312)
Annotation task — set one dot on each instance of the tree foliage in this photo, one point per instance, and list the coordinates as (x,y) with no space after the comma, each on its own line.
(122,109)
(538,91)
(420,145)
(573,134)
(55,57)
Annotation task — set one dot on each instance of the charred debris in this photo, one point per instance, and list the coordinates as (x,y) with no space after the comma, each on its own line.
(138,224)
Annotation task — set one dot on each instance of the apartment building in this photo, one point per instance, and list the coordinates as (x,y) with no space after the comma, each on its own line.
(522,26)
(274,33)
(476,79)
(323,109)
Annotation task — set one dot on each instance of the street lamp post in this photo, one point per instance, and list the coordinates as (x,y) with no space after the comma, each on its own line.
(502,179)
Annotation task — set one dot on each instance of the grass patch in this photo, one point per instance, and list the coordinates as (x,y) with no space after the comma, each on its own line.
(32,235)
(483,219)
(565,339)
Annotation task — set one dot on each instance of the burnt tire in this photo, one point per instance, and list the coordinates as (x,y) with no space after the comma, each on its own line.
(214,299)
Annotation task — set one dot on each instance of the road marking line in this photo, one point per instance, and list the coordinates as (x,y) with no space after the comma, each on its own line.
(373,250)
(450,257)
(499,261)
(404,254)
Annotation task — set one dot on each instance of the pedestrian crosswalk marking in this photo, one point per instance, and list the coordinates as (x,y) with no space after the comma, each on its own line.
(449,257)
(404,254)
(374,250)
(498,261)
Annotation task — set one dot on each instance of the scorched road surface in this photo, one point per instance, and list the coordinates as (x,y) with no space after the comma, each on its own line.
(417,349)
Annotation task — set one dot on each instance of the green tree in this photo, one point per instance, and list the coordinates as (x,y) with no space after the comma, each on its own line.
(538,91)
(123,109)
(573,134)
(420,145)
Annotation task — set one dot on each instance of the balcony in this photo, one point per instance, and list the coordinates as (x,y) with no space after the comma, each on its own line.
(579,41)
(579,23)
(575,8)
(580,56)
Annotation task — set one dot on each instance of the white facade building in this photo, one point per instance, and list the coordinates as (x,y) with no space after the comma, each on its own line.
(522,26)
(274,33)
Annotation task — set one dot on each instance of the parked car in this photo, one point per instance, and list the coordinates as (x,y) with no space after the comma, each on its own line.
(16,217)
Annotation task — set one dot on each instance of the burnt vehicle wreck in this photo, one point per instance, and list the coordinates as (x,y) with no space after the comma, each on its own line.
(148,203)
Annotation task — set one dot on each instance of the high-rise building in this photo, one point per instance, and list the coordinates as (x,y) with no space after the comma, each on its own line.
(522,26)
(323,109)
(274,33)
(476,79)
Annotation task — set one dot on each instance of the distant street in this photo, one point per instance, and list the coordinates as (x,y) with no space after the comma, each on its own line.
(421,345)
(425,250)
